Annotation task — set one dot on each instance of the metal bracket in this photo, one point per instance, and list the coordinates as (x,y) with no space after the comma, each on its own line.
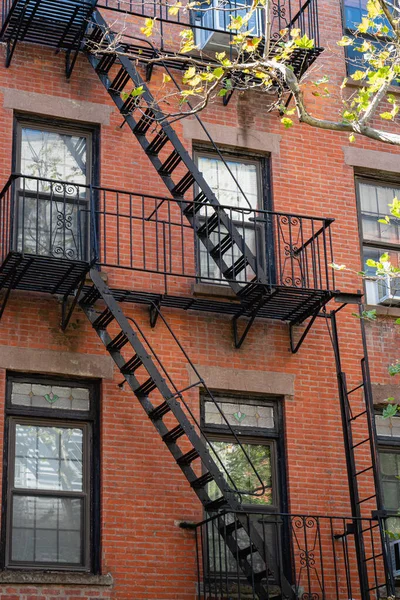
(154,312)
(7,295)
(295,348)
(66,315)
(239,341)
(350,530)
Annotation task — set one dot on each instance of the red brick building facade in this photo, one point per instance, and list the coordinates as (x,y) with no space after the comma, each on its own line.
(93,501)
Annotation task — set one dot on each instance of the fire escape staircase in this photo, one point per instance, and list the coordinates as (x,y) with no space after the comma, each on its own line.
(153,132)
(143,376)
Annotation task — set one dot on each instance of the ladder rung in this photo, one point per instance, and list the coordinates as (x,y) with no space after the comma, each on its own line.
(170,163)
(173,434)
(202,481)
(366,499)
(105,63)
(374,557)
(146,388)
(158,412)
(193,207)
(131,365)
(104,319)
(118,342)
(216,504)
(96,35)
(188,458)
(144,122)
(360,443)
(224,245)
(363,471)
(209,225)
(231,527)
(238,266)
(157,143)
(129,106)
(359,415)
(91,296)
(243,552)
(348,392)
(119,82)
(183,185)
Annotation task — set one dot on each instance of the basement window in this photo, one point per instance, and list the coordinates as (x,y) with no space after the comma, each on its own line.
(52,482)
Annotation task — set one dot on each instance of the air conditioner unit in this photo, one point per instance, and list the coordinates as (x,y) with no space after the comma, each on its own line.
(394,556)
(216,18)
(389,290)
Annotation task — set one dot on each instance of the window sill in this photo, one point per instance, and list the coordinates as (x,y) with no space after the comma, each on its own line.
(55,577)
(214,289)
(381,310)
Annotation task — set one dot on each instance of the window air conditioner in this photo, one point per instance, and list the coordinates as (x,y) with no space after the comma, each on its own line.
(216,17)
(388,290)
(394,556)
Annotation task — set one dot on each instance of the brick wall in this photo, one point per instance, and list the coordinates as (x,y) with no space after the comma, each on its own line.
(144,494)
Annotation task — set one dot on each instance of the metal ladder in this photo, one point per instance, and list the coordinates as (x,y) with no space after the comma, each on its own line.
(362,467)
(145,375)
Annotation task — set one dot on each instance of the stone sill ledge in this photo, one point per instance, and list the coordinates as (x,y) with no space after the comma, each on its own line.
(388,311)
(216,290)
(55,578)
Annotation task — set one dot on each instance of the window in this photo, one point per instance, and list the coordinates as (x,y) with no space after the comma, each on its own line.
(211,26)
(257,423)
(379,238)
(51,217)
(52,475)
(354,11)
(249,174)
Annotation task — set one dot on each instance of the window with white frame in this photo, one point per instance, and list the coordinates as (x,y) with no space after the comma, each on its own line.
(379,237)
(248,198)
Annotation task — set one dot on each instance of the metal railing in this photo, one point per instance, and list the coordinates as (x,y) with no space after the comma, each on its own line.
(315,553)
(150,234)
(214,17)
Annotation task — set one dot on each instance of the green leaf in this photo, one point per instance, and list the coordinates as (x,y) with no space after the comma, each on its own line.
(397,321)
(287,122)
(138,91)
(345,41)
(222,92)
(218,72)
(394,369)
(387,116)
(358,75)
(352,138)
(390,411)
(371,263)
(304,42)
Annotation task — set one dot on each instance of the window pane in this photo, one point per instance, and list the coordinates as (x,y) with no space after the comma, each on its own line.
(50,396)
(389,427)
(53,155)
(374,203)
(243,415)
(390,471)
(237,466)
(46,529)
(380,289)
(48,458)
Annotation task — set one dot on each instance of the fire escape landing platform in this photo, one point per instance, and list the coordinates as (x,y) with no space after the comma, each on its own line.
(119,231)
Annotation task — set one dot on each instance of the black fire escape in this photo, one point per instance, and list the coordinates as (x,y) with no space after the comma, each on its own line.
(273,266)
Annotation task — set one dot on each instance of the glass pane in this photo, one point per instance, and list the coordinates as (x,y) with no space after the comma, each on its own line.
(50,396)
(46,529)
(388,427)
(243,415)
(374,202)
(390,472)
(53,155)
(48,458)
(232,457)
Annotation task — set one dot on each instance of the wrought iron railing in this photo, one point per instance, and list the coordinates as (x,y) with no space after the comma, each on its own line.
(315,553)
(150,234)
(214,17)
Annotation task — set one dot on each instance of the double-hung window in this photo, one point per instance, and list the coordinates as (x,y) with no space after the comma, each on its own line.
(379,238)
(52,217)
(52,475)
(256,423)
(241,207)
(353,13)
